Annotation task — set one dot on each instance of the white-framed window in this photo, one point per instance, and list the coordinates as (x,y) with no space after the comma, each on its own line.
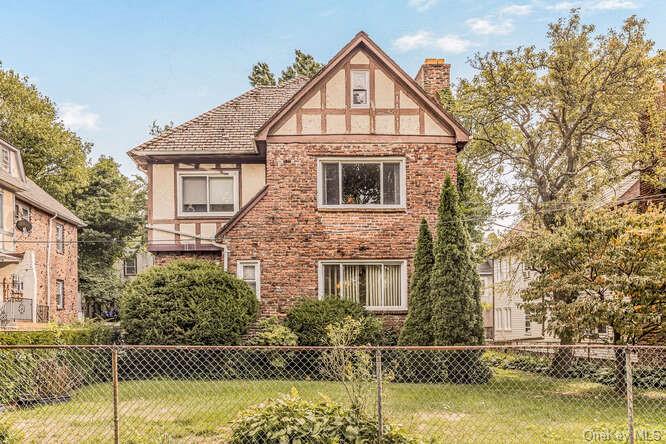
(528,325)
(5,161)
(22,212)
(60,238)
(129,266)
(360,88)
(361,182)
(207,193)
(507,318)
(60,294)
(499,324)
(375,284)
(250,272)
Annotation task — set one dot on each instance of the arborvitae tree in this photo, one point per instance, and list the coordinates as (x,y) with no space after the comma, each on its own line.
(416,330)
(456,308)
(261,75)
(304,65)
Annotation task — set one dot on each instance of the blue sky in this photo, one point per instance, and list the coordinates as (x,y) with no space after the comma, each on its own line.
(115,66)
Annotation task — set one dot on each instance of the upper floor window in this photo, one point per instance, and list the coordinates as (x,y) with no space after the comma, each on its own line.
(22,212)
(5,161)
(362,183)
(208,194)
(360,88)
(60,238)
(129,266)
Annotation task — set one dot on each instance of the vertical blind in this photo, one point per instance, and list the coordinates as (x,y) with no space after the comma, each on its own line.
(372,285)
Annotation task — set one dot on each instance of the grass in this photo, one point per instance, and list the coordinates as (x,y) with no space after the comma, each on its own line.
(514,407)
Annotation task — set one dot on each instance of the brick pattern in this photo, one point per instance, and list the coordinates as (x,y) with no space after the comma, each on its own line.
(64,266)
(434,77)
(289,235)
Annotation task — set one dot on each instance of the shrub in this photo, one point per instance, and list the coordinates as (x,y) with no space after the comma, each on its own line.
(187,302)
(290,419)
(271,332)
(73,334)
(309,318)
(268,363)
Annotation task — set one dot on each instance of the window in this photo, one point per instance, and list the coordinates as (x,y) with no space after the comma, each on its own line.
(60,294)
(360,88)
(60,238)
(250,272)
(499,325)
(601,329)
(362,183)
(129,266)
(22,212)
(378,285)
(528,325)
(507,319)
(5,162)
(208,194)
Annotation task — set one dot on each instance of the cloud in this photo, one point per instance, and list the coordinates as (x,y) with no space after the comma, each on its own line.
(608,5)
(421,5)
(487,27)
(76,117)
(516,10)
(449,43)
(563,6)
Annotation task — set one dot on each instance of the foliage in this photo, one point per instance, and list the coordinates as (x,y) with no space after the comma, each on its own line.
(309,318)
(71,334)
(304,65)
(553,127)
(261,75)
(156,129)
(53,156)
(271,332)
(270,363)
(290,419)
(475,207)
(8,436)
(416,329)
(187,302)
(113,207)
(609,263)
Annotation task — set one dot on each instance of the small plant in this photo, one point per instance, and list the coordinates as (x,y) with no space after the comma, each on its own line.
(7,436)
(270,363)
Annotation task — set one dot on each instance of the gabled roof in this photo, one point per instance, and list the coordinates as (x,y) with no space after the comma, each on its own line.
(226,129)
(363,41)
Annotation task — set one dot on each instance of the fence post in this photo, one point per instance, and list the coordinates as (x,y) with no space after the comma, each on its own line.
(630,394)
(114,370)
(378,369)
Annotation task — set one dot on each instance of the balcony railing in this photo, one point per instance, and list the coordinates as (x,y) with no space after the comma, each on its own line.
(19,309)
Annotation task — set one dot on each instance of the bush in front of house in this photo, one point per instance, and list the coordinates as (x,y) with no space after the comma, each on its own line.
(187,302)
(255,363)
(291,419)
(94,333)
(309,318)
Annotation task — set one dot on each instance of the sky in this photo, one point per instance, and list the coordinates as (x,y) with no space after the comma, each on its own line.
(113,67)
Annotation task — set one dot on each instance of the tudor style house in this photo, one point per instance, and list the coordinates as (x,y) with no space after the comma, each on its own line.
(313,188)
(38,251)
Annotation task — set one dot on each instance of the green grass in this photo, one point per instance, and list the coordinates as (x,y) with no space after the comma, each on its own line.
(514,407)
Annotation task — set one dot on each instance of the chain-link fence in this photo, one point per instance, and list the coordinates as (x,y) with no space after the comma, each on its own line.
(147,394)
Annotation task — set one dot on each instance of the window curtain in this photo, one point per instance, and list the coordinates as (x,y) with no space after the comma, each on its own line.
(194,191)
(373,285)
(392,285)
(221,193)
(391,185)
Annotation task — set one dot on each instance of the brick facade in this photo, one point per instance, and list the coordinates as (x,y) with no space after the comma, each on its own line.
(64,266)
(289,234)
(434,76)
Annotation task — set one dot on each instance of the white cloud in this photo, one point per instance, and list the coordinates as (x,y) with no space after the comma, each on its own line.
(516,10)
(487,27)
(563,6)
(611,4)
(449,43)
(76,117)
(421,5)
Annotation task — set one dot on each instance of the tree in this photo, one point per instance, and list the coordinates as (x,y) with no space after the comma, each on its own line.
(417,329)
(304,65)
(54,157)
(113,208)
(156,129)
(554,126)
(455,291)
(475,207)
(611,262)
(261,75)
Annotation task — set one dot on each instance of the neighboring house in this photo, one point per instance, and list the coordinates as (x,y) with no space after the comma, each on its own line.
(38,250)
(312,188)
(486,273)
(133,263)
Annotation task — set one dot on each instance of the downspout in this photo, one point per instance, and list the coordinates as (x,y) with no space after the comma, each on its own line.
(48,265)
(225,249)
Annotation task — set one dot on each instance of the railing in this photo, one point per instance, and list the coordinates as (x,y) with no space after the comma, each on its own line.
(18,309)
(436,394)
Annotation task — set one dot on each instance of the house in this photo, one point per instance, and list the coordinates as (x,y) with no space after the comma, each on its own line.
(487,277)
(312,188)
(38,250)
(133,263)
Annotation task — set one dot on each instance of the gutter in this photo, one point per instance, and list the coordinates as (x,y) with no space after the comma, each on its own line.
(223,247)
(48,264)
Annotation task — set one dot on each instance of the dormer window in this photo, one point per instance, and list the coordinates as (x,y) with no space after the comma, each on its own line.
(360,88)
(5,163)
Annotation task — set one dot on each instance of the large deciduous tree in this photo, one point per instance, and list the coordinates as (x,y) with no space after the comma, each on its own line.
(552,127)
(54,157)
(612,264)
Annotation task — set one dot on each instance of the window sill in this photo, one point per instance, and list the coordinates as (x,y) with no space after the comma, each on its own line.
(206,215)
(357,209)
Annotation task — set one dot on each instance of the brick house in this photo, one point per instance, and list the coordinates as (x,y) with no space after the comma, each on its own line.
(38,250)
(312,188)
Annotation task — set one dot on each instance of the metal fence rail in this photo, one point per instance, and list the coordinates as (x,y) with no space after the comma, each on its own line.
(437,394)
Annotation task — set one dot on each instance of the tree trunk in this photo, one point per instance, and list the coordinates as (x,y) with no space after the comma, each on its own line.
(563,358)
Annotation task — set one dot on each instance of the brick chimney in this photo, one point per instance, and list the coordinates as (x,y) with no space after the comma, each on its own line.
(434,76)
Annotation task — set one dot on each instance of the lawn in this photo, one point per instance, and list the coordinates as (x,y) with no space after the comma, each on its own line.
(514,407)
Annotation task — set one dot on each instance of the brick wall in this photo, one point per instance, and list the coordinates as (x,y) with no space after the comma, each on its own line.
(64,266)
(289,235)
(434,76)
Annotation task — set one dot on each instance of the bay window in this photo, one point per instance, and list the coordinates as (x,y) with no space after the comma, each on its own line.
(362,183)
(378,285)
(214,194)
